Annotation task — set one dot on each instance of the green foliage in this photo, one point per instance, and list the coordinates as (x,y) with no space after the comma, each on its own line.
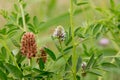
(82,54)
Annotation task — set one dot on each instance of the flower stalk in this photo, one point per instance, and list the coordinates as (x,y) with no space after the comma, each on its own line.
(74,56)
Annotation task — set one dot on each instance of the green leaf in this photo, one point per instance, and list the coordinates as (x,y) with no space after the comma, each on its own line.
(15,42)
(79,3)
(82,3)
(19,57)
(17,74)
(68,48)
(35,21)
(41,64)
(4,54)
(68,64)
(97,60)
(90,62)
(78,63)
(117,60)
(94,73)
(3,76)
(16,7)
(112,3)
(3,31)
(78,77)
(11,34)
(108,65)
(50,53)
(96,28)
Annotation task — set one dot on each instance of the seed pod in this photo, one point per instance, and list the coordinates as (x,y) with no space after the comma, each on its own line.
(43,55)
(28,45)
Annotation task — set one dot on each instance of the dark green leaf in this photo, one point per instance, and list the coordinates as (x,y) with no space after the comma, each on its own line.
(3,31)
(41,64)
(3,76)
(27,18)
(50,53)
(68,48)
(78,63)
(20,57)
(4,54)
(69,40)
(78,77)
(13,70)
(15,42)
(90,62)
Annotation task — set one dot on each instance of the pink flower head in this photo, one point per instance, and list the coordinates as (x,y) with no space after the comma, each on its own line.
(104,42)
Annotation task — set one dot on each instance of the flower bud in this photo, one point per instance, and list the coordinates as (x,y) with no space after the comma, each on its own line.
(43,55)
(28,45)
(59,33)
(83,65)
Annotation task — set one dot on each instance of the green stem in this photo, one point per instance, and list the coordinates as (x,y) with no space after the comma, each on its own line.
(74,56)
(9,52)
(23,16)
(64,56)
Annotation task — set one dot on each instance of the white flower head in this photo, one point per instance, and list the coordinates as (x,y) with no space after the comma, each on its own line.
(59,33)
(83,65)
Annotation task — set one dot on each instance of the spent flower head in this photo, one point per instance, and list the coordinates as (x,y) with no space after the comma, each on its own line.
(59,33)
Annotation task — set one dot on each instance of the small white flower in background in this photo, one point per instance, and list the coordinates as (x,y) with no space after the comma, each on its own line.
(84,64)
(104,42)
(59,33)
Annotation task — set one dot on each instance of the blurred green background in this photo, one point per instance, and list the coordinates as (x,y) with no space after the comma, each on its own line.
(55,12)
